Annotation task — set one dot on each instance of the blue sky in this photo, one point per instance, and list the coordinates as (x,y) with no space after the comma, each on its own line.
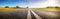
(13,3)
(30,3)
(18,2)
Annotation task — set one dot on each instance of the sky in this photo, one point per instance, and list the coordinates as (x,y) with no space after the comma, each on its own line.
(13,3)
(30,3)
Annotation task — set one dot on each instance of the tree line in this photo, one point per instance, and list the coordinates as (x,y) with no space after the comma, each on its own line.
(53,7)
(14,7)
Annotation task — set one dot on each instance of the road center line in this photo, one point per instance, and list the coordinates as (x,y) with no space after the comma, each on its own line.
(29,15)
(37,17)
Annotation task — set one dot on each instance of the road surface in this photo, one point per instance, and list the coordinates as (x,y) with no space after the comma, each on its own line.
(48,14)
(14,14)
(29,14)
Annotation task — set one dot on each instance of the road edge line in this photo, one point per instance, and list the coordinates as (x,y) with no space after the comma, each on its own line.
(37,17)
(29,15)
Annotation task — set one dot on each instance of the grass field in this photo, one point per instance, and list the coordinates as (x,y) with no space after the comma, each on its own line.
(6,9)
(49,9)
(1,9)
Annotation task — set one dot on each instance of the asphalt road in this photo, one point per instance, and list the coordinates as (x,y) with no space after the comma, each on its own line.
(17,14)
(29,14)
(48,14)
(14,14)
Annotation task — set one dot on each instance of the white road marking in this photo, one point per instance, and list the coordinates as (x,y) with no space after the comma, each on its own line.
(37,17)
(29,15)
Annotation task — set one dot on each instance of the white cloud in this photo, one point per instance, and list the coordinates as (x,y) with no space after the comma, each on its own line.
(43,4)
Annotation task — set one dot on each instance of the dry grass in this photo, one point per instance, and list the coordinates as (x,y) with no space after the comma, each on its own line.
(6,9)
(50,9)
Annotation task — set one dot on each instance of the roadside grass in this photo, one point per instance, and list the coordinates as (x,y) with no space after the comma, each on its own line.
(49,9)
(6,9)
(2,9)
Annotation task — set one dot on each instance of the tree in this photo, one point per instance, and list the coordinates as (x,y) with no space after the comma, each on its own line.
(49,7)
(17,7)
(56,7)
(6,6)
(26,7)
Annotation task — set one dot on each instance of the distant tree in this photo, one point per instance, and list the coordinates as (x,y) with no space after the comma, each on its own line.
(49,7)
(17,7)
(26,7)
(6,6)
(56,7)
